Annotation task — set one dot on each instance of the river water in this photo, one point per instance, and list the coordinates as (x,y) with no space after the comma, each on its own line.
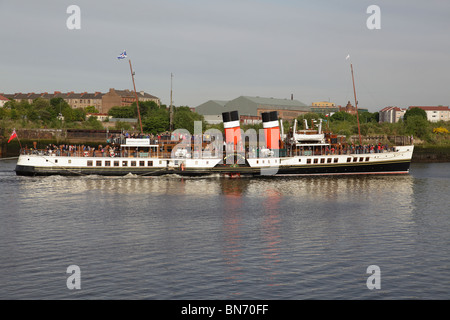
(217,238)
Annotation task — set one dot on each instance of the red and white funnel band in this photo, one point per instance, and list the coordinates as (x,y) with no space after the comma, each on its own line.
(271,129)
(231,124)
(232,127)
(270,124)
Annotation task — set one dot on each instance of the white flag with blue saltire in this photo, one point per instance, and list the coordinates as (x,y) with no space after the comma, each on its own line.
(123,55)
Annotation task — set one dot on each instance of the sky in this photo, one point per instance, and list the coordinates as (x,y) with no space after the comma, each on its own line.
(223,49)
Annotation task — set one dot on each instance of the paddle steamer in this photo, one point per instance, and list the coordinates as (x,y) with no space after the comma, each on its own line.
(310,151)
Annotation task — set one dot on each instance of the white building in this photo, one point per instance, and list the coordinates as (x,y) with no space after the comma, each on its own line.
(391,114)
(3,100)
(435,114)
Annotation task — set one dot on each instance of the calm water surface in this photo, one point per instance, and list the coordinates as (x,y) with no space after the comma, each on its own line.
(218,238)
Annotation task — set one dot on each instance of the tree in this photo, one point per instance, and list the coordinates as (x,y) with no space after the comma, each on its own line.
(57,106)
(414,112)
(122,125)
(366,117)
(122,112)
(145,108)
(309,117)
(40,104)
(93,123)
(91,109)
(184,118)
(417,125)
(156,123)
(71,115)
(3,113)
(14,114)
(58,103)
(343,116)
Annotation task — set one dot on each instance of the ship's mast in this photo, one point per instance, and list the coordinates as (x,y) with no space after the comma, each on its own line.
(356,105)
(171,106)
(135,94)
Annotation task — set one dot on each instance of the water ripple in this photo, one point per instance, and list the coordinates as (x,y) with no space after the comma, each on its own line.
(213,238)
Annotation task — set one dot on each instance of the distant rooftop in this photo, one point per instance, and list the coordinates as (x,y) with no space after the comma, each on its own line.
(432,108)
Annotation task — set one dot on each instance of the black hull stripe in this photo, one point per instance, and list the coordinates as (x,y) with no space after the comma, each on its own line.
(313,169)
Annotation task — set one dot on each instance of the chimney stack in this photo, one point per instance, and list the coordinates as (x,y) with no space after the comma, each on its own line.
(271,129)
(232,127)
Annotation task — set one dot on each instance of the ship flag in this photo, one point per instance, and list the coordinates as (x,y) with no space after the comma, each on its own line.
(348,57)
(123,55)
(13,135)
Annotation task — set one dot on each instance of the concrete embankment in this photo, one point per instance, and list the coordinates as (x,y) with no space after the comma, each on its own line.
(431,154)
(2,148)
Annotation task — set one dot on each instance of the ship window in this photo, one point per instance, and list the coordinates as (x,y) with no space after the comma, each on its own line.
(98,163)
(56,160)
(207,162)
(316,160)
(116,163)
(299,160)
(107,163)
(308,161)
(142,163)
(160,162)
(124,163)
(349,159)
(355,159)
(150,163)
(133,163)
(329,160)
(361,159)
(367,158)
(257,161)
(89,163)
(70,161)
(322,160)
(336,160)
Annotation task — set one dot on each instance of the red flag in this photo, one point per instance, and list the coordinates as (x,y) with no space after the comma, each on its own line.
(13,135)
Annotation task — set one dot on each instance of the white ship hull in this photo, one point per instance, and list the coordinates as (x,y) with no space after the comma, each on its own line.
(393,162)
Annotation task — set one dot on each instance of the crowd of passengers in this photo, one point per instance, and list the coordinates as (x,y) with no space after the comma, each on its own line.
(349,149)
(114,150)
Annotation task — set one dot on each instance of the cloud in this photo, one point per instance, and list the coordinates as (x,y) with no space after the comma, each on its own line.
(223,49)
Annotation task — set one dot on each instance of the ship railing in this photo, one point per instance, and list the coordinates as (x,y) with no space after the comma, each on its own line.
(192,155)
(116,154)
(342,151)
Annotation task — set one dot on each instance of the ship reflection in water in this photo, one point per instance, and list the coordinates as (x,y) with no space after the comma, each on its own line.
(317,188)
(254,237)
